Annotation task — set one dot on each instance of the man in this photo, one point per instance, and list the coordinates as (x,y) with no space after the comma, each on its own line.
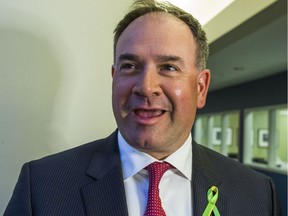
(159,81)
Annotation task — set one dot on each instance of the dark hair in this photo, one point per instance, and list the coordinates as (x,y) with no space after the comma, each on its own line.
(142,7)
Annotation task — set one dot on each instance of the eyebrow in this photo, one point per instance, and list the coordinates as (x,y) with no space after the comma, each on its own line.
(169,58)
(159,58)
(128,56)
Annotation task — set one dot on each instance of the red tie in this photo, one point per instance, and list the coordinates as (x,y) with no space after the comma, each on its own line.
(156,171)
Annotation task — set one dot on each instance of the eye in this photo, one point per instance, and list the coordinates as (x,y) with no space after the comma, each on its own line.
(168,67)
(127,68)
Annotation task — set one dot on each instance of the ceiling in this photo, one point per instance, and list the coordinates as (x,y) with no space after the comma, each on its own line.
(255,49)
(204,10)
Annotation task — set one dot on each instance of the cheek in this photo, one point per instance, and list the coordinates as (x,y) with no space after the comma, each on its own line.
(185,93)
(184,98)
(118,103)
(178,92)
(121,91)
(179,97)
(120,87)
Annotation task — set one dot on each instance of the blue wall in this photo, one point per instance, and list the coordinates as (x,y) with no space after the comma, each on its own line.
(267,91)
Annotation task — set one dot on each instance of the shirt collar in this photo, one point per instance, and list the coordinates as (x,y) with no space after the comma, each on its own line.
(134,161)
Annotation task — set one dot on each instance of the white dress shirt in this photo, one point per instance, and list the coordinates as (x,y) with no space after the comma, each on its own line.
(175,185)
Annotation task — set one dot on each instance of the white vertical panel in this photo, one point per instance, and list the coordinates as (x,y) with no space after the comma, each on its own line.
(248,137)
(272,139)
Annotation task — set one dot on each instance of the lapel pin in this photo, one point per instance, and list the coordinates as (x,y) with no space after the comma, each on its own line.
(212,196)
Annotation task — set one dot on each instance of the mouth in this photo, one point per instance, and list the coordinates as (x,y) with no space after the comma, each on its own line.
(148,113)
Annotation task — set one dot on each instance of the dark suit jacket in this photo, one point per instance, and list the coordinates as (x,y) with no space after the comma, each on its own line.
(87,180)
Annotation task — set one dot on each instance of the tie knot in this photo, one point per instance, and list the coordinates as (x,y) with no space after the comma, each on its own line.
(157,169)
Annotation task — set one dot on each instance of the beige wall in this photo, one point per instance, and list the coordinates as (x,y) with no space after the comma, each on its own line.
(52,96)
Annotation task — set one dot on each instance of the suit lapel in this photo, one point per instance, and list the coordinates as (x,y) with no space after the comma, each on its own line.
(105,195)
(204,176)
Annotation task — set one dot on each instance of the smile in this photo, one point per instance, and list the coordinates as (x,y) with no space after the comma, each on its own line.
(144,113)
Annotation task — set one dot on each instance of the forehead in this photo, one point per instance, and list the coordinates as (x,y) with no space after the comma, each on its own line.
(157,31)
(157,16)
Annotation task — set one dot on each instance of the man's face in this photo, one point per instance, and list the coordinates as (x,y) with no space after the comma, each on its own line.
(156,84)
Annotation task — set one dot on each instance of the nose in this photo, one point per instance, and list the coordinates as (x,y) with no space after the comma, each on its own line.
(147,83)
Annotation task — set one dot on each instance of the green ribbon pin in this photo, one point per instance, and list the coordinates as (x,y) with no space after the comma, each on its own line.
(212,196)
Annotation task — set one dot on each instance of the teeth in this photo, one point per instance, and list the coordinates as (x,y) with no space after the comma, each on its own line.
(149,113)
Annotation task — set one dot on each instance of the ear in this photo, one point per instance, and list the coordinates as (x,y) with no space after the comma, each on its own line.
(203,80)
(112,70)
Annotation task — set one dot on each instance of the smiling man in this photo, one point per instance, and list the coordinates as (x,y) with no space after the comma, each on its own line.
(157,84)
(150,165)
